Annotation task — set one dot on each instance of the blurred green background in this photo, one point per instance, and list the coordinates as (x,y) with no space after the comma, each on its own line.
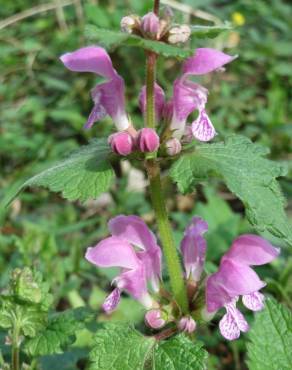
(43,109)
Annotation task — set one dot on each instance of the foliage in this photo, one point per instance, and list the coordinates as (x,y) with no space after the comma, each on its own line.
(246,173)
(111,38)
(84,175)
(271,338)
(122,347)
(43,108)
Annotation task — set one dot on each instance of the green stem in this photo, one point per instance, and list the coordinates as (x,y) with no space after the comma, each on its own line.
(150,80)
(15,349)
(158,201)
(165,231)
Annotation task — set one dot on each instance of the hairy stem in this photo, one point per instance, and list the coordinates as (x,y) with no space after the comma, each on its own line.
(150,80)
(15,349)
(158,201)
(156,6)
(171,256)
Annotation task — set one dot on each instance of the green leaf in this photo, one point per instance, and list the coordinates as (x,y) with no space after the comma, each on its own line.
(247,173)
(114,38)
(25,303)
(85,174)
(271,339)
(28,318)
(209,31)
(59,333)
(122,347)
(179,353)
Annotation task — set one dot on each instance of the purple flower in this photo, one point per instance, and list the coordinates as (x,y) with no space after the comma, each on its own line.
(189,96)
(137,266)
(193,248)
(235,278)
(135,231)
(109,96)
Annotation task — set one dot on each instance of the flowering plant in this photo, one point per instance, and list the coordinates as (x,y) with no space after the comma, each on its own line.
(183,298)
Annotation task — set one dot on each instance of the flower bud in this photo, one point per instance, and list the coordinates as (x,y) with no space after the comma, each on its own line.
(187,324)
(179,34)
(156,319)
(130,23)
(150,25)
(173,146)
(121,143)
(147,140)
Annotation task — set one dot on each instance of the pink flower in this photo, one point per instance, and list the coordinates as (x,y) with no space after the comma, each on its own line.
(109,96)
(193,248)
(236,278)
(189,96)
(147,140)
(121,143)
(133,248)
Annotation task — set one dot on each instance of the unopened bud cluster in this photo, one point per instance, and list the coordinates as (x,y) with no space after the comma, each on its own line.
(154,27)
(145,140)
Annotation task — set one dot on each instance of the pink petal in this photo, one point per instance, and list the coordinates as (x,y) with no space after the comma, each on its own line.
(111,302)
(252,250)
(187,97)
(202,127)
(206,60)
(152,261)
(238,279)
(98,112)
(89,59)
(216,294)
(193,248)
(228,327)
(233,322)
(110,96)
(229,281)
(113,252)
(159,100)
(254,301)
(133,281)
(134,230)
(198,225)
